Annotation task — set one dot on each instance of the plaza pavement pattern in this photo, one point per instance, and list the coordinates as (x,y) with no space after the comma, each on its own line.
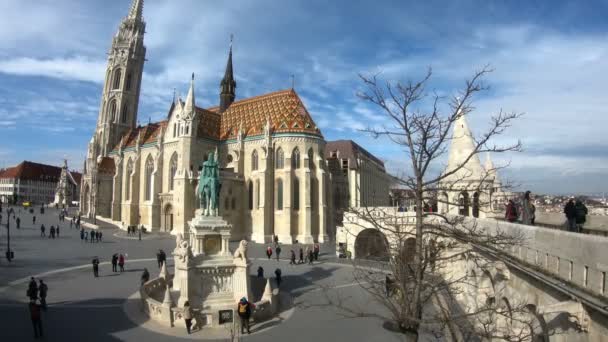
(84,308)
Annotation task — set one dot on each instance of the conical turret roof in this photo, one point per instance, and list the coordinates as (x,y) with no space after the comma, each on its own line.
(461,147)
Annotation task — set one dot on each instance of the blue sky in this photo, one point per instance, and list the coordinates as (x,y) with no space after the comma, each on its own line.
(550,61)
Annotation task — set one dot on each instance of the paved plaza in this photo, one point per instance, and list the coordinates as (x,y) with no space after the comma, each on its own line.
(82,307)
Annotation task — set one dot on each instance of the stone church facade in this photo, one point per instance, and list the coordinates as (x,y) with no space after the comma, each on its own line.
(271,154)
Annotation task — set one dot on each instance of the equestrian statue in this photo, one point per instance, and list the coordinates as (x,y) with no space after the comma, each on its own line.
(208,189)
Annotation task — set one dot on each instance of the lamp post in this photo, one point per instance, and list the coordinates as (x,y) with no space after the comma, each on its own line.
(9,253)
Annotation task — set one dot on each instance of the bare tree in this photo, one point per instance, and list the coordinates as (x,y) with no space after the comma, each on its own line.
(418,285)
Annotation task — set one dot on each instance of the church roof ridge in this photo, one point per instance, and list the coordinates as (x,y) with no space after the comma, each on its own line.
(214,109)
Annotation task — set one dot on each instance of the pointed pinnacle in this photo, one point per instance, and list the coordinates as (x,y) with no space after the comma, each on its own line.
(137,9)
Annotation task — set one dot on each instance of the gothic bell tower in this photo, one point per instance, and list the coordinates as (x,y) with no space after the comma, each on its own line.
(120,95)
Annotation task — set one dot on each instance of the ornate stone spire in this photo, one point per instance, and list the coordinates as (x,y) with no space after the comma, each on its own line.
(462,146)
(228,84)
(190,103)
(137,9)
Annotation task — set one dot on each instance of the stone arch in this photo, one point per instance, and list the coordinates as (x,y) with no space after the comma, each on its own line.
(123,114)
(295,158)
(476,204)
(463,203)
(279,161)
(485,287)
(112,110)
(296,194)
(172,170)
(254,160)
(149,170)
(168,217)
(129,171)
(279,198)
(116,78)
(371,244)
(311,158)
(537,325)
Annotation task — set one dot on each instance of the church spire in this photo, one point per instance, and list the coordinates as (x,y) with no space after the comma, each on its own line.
(228,84)
(190,104)
(137,9)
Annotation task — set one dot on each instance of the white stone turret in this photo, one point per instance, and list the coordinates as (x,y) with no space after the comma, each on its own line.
(462,146)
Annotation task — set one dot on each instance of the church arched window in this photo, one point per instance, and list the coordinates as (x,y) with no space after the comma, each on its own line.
(296,194)
(128,82)
(311,159)
(113,110)
(254,160)
(295,158)
(279,194)
(172,170)
(123,115)
(280,159)
(257,194)
(117,76)
(149,169)
(174,130)
(250,186)
(128,179)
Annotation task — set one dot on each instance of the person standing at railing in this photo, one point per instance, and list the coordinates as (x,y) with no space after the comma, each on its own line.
(581,215)
(570,212)
(526,209)
(511,212)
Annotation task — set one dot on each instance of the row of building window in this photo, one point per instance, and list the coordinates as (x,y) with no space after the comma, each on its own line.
(279,160)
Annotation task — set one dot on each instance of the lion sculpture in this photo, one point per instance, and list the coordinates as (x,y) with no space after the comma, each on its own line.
(241,252)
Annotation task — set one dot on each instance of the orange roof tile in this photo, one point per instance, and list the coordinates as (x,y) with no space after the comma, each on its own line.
(284,109)
(107,166)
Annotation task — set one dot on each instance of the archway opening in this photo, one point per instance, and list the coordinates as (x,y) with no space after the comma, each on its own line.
(371,244)
(168,218)
(476,204)
(463,203)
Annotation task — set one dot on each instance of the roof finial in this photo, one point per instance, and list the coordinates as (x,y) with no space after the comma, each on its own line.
(231,38)
(174,94)
(193,76)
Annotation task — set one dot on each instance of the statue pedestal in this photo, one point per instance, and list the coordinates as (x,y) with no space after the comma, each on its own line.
(209,235)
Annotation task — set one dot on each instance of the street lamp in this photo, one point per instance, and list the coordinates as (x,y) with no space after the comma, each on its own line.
(9,253)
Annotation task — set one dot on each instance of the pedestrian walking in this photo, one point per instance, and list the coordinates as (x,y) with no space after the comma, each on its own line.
(95,267)
(86,236)
(277,275)
(244,311)
(301,261)
(316,249)
(42,230)
(511,213)
(159,259)
(18,222)
(310,256)
(32,289)
(34,219)
(71,222)
(581,215)
(260,272)
(115,262)
(82,235)
(92,236)
(100,235)
(269,252)
(57,231)
(570,211)
(293,258)
(187,313)
(43,290)
(278,252)
(145,277)
(36,318)
(121,263)
(52,232)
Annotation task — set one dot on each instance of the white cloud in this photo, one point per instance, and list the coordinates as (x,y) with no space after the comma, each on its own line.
(74,68)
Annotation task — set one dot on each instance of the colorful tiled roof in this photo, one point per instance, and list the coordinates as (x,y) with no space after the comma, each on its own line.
(284,109)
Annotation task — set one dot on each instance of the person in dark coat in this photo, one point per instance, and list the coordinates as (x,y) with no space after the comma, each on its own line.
(115,262)
(293,258)
(92,235)
(42,230)
(260,272)
(301,261)
(95,263)
(316,249)
(244,309)
(311,256)
(57,231)
(32,289)
(18,222)
(52,231)
(43,290)
(570,212)
(277,275)
(278,252)
(36,318)
(82,234)
(581,215)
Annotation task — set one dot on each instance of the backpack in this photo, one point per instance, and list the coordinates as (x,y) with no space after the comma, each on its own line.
(243,308)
